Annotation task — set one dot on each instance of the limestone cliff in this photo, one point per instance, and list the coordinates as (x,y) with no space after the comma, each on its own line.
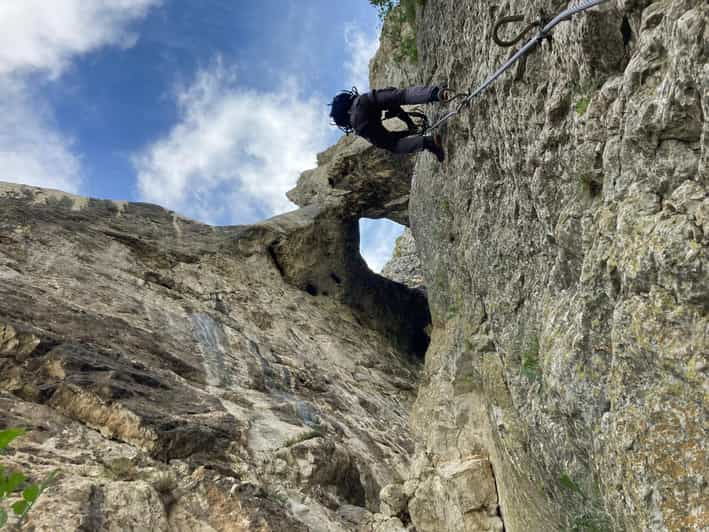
(187,377)
(404,265)
(564,251)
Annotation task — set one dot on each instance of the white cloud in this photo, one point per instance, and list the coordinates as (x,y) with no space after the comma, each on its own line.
(377,239)
(39,39)
(235,152)
(42,35)
(32,152)
(362,48)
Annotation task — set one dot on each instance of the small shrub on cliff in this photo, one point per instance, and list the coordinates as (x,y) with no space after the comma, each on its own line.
(14,484)
(408,8)
(592,517)
(582,105)
(530,360)
(401,25)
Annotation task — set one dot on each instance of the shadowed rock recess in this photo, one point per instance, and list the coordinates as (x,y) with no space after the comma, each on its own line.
(188,377)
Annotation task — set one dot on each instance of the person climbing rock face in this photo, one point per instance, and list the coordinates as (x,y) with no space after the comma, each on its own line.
(362,114)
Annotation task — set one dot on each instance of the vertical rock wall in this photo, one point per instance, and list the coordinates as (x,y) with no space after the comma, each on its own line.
(259,378)
(564,245)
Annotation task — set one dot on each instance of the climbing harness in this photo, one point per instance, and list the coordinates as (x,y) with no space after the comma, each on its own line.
(544,30)
(416,113)
(422,118)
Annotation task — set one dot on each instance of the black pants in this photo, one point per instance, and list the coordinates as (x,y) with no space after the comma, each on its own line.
(366,117)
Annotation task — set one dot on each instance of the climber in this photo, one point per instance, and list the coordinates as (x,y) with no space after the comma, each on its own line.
(362,113)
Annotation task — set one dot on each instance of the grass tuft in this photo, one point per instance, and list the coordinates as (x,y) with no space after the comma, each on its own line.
(530,361)
(582,105)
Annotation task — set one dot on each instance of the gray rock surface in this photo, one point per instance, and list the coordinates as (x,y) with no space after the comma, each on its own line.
(358,180)
(261,377)
(404,265)
(180,378)
(564,251)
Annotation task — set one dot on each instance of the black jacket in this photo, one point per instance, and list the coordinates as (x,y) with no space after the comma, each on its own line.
(366,116)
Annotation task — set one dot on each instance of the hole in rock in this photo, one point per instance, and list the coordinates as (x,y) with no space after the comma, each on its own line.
(626,31)
(311,289)
(615,281)
(377,239)
(595,189)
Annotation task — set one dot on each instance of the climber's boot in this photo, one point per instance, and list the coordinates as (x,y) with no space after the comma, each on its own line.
(434,144)
(441,94)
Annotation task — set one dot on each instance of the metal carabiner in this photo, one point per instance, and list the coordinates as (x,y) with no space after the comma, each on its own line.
(538,23)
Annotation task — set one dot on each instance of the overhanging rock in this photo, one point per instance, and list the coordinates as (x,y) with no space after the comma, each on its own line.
(317,250)
(362,180)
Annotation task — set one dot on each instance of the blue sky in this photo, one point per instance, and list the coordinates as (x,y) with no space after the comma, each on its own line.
(208,107)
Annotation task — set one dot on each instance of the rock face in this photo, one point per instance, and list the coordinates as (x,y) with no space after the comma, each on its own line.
(405,266)
(187,377)
(359,181)
(564,251)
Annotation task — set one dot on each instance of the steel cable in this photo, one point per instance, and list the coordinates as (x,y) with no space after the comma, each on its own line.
(531,44)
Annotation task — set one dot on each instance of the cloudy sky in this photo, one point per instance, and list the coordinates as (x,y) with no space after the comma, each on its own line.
(208,107)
